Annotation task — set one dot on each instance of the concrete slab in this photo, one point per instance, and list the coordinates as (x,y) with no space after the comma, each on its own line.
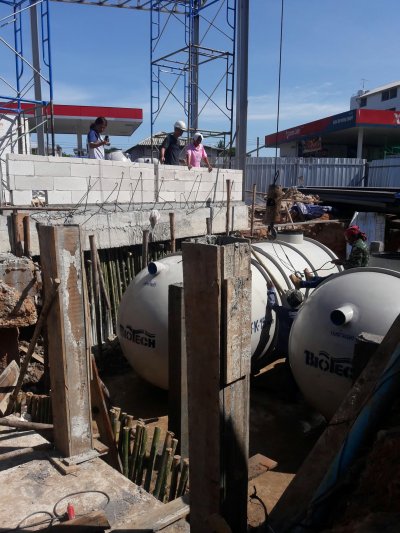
(31,484)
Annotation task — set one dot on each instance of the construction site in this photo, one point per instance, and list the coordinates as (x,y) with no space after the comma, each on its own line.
(206,349)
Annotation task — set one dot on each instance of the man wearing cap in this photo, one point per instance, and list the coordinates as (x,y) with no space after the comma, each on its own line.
(170,148)
(195,153)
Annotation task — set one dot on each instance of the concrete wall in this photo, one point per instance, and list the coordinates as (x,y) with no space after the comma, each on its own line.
(115,228)
(69,181)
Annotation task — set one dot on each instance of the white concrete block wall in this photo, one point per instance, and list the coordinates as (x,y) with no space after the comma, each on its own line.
(68,180)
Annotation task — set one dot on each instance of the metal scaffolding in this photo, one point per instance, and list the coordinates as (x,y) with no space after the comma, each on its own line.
(25,37)
(196,79)
(192,49)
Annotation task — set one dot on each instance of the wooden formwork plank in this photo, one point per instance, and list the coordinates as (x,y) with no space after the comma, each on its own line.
(217,283)
(61,257)
(177,369)
(203,316)
(294,502)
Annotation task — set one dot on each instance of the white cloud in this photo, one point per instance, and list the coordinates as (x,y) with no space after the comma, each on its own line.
(300,103)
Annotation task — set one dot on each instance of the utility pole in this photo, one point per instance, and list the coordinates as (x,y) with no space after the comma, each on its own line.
(242,84)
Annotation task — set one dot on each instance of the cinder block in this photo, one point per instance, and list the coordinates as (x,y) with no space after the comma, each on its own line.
(92,198)
(21,197)
(31,183)
(59,198)
(81,170)
(27,157)
(10,181)
(165,196)
(53,168)
(144,197)
(145,173)
(70,184)
(111,171)
(21,168)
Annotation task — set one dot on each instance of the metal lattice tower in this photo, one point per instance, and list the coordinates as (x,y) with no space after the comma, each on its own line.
(25,41)
(193,64)
(192,49)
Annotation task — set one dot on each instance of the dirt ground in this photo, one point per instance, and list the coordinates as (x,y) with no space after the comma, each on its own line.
(282,426)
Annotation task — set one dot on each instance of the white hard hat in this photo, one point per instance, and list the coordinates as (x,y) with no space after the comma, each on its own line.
(180,125)
(198,136)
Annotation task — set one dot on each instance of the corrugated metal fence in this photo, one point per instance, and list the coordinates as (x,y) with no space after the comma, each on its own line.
(304,172)
(384,173)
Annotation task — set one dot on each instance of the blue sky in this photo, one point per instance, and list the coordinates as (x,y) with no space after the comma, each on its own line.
(101,57)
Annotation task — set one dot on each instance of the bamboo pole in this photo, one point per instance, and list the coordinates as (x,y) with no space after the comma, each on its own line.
(24,424)
(152,459)
(135,453)
(176,465)
(125,451)
(253,207)
(96,290)
(168,469)
(145,248)
(103,283)
(168,440)
(38,328)
(172,231)
(183,478)
(228,206)
(141,457)
(161,473)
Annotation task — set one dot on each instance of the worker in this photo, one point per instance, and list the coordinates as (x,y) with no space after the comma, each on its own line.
(358,257)
(285,315)
(195,153)
(95,142)
(170,148)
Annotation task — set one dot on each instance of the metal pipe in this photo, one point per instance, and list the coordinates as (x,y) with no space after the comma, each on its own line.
(242,84)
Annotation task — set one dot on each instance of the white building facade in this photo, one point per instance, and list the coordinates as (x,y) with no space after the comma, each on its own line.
(386,97)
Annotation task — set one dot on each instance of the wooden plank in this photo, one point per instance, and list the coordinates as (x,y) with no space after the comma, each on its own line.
(96,290)
(160,517)
(365,346)
(293,504)
(8,380)
(217,310)
(17,224)
(203,317)
(259,464)
(94,521)
(63,468)
(100,414)
(61,257)
(177,369)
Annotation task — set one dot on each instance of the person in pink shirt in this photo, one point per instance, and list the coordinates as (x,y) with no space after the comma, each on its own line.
(195,153)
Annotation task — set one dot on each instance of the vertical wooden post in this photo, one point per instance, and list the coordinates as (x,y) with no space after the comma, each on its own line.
(17,233)
(27,235)
(177,369)
(172,231)
(228,206)
(145,248)
(61,257)
(96,289)
(209,226)
(274,201)
(253,207)
(217,319)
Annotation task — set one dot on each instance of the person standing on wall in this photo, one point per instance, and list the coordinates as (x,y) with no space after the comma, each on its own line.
(195,153)
(95,142)
(170,148)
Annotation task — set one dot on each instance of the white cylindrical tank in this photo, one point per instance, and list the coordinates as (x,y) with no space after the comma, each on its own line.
(143,312)
(322,338)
